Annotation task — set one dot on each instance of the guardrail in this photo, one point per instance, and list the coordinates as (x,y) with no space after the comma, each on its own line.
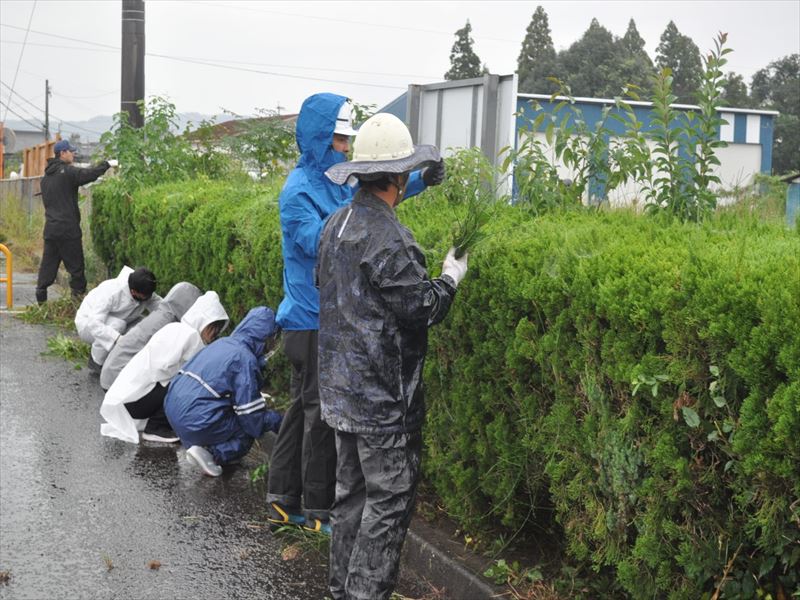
(8,279)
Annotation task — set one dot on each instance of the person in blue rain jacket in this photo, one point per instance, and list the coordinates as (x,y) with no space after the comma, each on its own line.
(215,405)
(303,463)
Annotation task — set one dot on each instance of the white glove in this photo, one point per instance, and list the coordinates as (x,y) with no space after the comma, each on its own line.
(456,268)
(113,162)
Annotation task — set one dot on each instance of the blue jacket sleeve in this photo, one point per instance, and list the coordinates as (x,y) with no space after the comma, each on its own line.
(303,223)
(248,403)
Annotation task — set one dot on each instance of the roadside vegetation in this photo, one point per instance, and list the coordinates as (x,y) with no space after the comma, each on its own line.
(612,401)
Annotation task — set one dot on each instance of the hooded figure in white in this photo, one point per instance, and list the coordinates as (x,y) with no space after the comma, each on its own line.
(157,363)
(173,306)
(107,311)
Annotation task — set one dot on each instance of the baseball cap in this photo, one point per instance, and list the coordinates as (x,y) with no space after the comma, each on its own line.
(62,145)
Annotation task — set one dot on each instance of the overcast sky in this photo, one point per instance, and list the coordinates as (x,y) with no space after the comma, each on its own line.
(369,51)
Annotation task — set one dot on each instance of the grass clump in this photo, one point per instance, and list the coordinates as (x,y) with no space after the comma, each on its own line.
(68,348)
(59,312)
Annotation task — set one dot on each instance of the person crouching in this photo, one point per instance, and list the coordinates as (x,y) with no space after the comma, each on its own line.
(135,401)
(215,405)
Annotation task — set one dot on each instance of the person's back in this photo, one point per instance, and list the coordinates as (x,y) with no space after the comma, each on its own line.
(376,303)
(215,404)
(374,317)
(180,298)
(157,363)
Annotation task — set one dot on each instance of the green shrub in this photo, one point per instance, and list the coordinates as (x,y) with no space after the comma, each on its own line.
(641,377)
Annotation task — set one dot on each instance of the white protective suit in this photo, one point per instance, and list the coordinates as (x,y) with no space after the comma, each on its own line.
(107,311)
(158,362)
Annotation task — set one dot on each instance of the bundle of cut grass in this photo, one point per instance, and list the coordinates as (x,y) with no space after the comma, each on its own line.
(469,229)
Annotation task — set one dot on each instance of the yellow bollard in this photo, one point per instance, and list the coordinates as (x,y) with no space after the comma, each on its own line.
(9,277)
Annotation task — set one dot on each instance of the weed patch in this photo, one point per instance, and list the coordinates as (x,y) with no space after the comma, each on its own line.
(68,348)
(59,312)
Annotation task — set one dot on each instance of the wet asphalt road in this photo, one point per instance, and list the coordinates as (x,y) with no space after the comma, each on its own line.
(71,499)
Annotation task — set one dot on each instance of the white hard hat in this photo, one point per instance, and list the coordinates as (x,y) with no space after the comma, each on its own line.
(383,145)
(383,137)
(344,120)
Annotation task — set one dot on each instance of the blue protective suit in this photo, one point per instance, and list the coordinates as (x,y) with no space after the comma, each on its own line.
(307,200)
(215,401)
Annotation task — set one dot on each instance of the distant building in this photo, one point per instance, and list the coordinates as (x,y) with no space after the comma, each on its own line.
(23,138)
(792,199)
(488,112)
(14,142)
(220,131)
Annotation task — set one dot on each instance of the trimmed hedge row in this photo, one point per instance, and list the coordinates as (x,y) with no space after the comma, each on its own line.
(641,377)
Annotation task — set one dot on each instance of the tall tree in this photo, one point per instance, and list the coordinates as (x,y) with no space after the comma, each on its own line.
(464,63)
(777,86)
(590,65)
(734,91)
(679,53)
(635,64)
(537,59)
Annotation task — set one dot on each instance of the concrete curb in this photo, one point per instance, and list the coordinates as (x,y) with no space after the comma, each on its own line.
(429,555)
(428,560)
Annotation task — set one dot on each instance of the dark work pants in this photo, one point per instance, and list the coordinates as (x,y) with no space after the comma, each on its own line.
(151,407)
(376,485)
(303,462)
(56,251)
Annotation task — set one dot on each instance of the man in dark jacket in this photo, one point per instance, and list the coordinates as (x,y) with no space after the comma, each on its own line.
(303,463)
(376,304)
(62,218)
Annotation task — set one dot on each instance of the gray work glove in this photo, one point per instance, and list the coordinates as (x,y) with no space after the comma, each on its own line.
(433,175)
(454,267)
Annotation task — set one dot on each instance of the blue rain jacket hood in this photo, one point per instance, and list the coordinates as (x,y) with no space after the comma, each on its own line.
(315,125)
(229,406)
(307,199)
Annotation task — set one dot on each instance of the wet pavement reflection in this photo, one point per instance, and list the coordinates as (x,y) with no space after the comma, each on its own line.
(83,516)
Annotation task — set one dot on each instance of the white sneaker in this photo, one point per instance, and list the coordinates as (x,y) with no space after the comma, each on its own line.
(164,439)
(200,457)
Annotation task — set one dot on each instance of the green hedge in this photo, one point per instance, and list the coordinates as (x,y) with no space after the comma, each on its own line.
(531,378)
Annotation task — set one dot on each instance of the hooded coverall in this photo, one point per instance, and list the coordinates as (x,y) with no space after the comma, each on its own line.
(152,368)
(215,400)
(107,311)
(303,462)
(171,309)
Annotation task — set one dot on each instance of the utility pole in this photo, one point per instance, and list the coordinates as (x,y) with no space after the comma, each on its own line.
(279,107)
(132,88)
(46,110)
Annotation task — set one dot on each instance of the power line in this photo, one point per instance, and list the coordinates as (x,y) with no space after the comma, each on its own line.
(217,60)
(19,116)
(259,64)
(13,93)
(17,94)
(25,111)
(86,97)
(347,21)
(19,61)
(39,44)
(202,62)
(63,37)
